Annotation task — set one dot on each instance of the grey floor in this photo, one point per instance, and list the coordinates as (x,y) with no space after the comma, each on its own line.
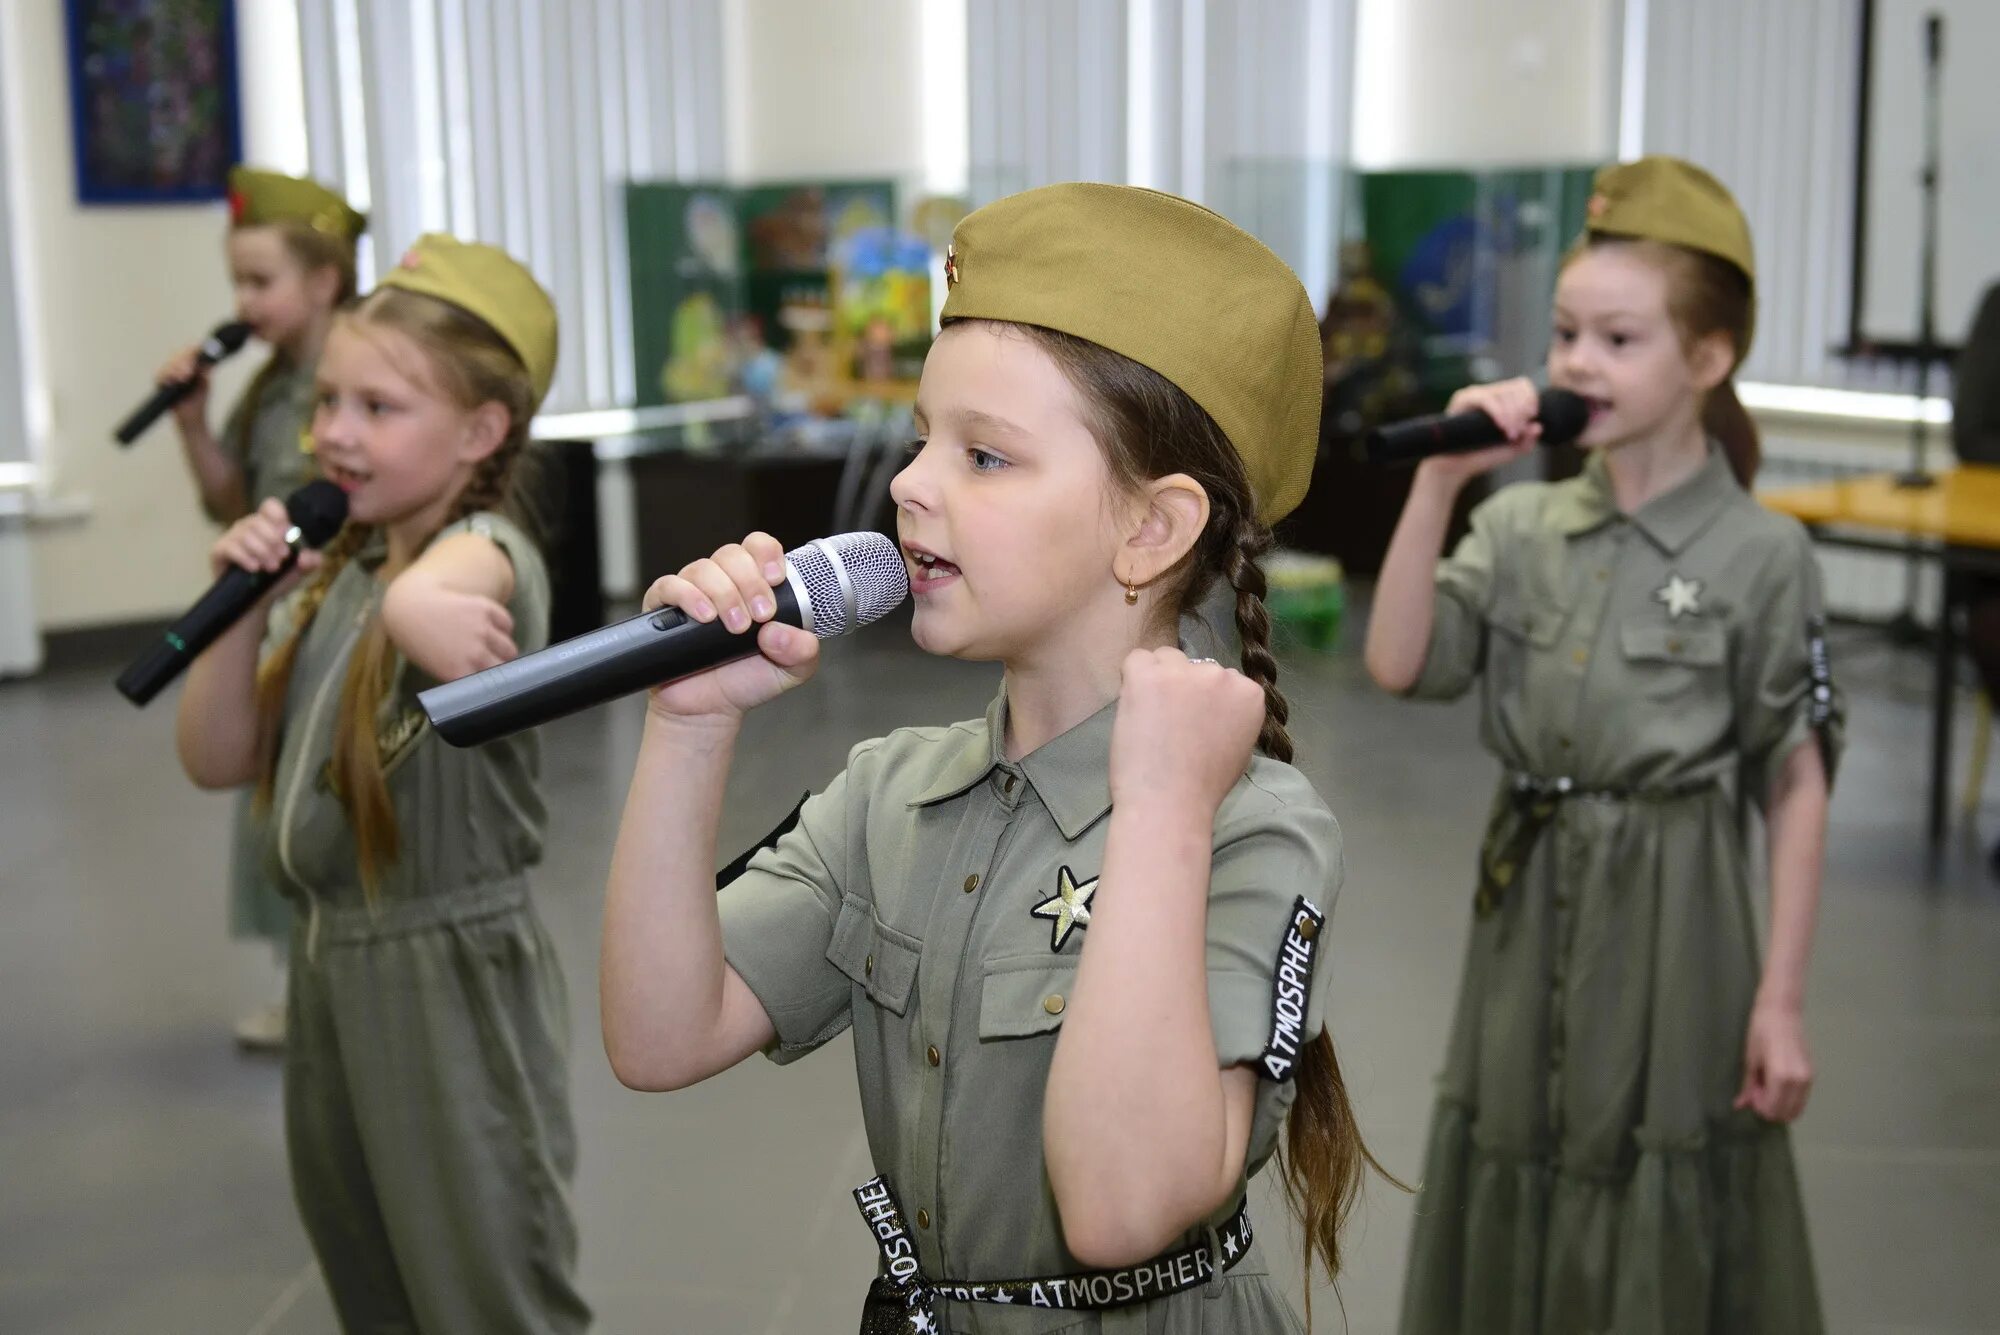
(142,1183)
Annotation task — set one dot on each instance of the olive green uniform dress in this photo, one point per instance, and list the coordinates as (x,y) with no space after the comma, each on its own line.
(263,434)
(929,900)
(427,1109)
(1585,1171)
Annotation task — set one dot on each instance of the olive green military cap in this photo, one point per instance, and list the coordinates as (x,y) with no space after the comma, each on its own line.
(1171,285)
(258,198)
(492,285)
(1668,199)
(1661,198)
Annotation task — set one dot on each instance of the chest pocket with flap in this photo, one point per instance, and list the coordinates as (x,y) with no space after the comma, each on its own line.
(1024,995)
(881,960)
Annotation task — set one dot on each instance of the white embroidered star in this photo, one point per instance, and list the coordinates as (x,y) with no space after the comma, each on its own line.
(1229,1245)
(1002,1297)
(920,1322)
(1680,595)
(1068,908)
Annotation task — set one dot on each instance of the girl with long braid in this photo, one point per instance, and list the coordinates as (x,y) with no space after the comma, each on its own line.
(1074,939)
(426,1094)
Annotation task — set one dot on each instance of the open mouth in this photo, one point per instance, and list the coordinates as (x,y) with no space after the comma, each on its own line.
(928,570)
(347,479)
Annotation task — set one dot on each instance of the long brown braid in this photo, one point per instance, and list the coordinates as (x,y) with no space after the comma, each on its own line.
(1149,428)
(1253,632)
(472,365)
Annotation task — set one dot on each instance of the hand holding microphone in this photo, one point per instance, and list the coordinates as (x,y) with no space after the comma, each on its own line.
(183,382)
(250,560)
(737,589)
(726,634)
(1483,427)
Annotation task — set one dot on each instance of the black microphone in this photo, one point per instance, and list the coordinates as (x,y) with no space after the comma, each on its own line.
(318,509)
(831,586)
(223,342)
(1563,416)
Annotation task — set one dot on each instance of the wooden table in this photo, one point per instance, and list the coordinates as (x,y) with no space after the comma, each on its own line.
(1956,522)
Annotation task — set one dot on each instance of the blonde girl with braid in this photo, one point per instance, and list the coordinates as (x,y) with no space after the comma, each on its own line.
(427,1111)
(1074,939)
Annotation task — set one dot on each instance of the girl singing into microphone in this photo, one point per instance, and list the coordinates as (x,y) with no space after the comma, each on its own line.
(291,262)
(1609,1149)
(1075,939)
(426,1092)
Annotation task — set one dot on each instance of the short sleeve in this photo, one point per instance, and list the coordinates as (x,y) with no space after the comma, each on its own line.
(1464,583)
(1264,863)
(778,919)
(1784,687)
(529,605)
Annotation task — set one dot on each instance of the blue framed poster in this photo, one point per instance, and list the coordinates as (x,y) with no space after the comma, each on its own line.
(154,109)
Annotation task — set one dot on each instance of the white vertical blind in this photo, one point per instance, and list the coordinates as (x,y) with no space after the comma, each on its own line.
(1047,93)
(18,434)
(1242,105)
(518,123)
(1279,79)
(1764,96)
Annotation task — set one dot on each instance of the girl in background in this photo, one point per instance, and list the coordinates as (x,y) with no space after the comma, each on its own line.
(1609,1150)
(426,1078)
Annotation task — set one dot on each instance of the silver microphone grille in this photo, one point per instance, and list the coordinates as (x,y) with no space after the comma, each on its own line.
(850,580)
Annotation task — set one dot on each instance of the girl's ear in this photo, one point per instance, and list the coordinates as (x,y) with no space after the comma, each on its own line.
(1172,514)
(1711,360)
(323,286)
(486,431)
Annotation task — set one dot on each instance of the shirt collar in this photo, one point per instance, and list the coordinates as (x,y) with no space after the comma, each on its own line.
(1071,773)
(1671,521)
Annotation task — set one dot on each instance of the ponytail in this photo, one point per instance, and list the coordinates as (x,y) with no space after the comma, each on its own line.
(1724,417)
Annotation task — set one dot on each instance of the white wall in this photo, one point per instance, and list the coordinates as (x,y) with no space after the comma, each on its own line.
(1451,83)
(825,88)
(115,289)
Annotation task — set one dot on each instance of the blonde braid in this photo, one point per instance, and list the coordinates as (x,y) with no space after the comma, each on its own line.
(274,676)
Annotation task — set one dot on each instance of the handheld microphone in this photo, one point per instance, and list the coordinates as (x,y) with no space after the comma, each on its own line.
(225,341)
(1563,416)
(318,509)
(831,586)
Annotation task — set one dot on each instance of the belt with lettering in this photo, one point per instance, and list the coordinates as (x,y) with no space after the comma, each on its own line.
(904,1302)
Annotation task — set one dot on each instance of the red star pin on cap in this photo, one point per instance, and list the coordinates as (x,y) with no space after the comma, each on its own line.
(1598,204)
(410,259)
(951,266)
(237,206)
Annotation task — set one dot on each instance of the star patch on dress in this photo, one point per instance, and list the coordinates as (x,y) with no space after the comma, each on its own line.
(1679,595)
(1068,908)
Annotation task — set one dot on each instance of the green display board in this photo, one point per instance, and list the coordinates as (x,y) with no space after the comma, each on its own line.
(704,255)
(1471,259)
